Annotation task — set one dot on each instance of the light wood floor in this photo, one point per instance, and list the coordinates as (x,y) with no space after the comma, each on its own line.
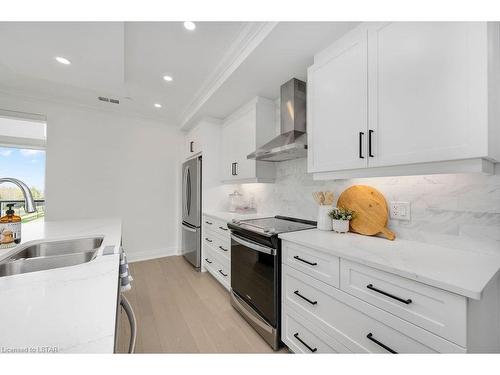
(180,310)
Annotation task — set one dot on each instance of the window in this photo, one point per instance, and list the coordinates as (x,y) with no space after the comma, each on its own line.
(22,156)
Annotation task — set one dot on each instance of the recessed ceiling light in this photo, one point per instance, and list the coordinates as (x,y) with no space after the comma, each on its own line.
(189,25)
(157,105)
(62,60)
(168,78)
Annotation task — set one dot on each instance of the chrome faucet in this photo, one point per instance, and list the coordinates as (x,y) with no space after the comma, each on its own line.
(28,197)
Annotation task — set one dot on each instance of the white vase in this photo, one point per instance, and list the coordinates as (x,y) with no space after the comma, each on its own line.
(340,226)
(324,221)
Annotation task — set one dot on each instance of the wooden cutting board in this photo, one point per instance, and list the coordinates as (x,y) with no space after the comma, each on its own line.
(371,211)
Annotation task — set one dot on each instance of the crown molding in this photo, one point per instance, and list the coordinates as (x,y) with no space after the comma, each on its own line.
(247,41)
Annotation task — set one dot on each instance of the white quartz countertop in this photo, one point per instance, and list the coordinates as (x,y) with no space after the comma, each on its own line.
(69,309)
(459,271)
(230,216)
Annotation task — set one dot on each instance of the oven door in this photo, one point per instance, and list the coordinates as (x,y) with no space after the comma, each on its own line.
(254,276)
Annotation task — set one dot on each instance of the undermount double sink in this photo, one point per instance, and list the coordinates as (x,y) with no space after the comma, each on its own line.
(49,255)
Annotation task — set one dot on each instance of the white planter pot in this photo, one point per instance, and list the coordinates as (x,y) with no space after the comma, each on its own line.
(324,221)
(340,226)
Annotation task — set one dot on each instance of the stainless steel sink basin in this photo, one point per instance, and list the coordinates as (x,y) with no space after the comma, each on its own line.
(50,255)
(19,266)
(56,248)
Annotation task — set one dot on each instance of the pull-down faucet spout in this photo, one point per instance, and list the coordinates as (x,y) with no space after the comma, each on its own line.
(28,197)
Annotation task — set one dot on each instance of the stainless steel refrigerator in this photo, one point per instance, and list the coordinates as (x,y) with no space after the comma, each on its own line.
(191,211)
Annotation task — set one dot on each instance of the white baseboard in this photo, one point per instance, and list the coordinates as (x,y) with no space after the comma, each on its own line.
(152,254)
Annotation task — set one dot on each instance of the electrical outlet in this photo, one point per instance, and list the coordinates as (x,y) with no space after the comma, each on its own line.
(400,210)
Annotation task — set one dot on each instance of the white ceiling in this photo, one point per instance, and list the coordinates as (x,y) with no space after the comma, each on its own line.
(216,67)
(114,59)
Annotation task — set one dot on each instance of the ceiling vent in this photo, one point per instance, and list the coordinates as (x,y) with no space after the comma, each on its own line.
(108,100)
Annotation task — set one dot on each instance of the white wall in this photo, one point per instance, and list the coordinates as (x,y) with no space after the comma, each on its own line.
(464,208)
(101,164)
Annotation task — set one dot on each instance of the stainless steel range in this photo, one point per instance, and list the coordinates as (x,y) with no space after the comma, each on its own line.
(256,271)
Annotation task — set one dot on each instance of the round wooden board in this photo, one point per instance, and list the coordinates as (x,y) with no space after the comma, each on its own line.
(370,207)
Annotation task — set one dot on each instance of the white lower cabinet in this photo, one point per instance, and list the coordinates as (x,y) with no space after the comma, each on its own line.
(335,305)
(431,308)
(302,336)
(216,250)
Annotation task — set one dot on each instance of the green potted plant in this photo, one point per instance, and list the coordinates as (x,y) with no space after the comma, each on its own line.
(340,219)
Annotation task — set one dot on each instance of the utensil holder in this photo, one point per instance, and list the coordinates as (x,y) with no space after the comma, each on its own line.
(324,221)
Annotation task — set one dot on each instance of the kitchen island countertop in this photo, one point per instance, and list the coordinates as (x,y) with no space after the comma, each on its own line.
(70,309)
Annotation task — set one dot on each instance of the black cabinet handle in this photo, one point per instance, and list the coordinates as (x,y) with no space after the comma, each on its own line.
(305,298)
(191,146)
(233,169)
(405,301)
(296,335)
(236,169)
(305,261)
(222,273)
(361,134)
(223,228)
(370,132)
(208,261)
(208,239)
(208,222)
(220,247)
(371,338)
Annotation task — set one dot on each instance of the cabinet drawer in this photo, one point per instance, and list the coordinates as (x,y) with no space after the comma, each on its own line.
(209,258)
(216,225)
(431,308)
(322,266)
(224,270)
(217,269)
(223,248)
(218,244)
(301,336)
(209,239)
(358,325)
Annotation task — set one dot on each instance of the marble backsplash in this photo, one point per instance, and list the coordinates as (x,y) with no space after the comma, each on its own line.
(465,206)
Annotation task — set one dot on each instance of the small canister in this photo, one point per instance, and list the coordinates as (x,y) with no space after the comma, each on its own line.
(324,221)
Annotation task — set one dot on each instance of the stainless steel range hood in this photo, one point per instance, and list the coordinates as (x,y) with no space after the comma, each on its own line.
(292,142)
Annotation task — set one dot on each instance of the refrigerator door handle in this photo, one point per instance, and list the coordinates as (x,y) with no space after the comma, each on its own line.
(184,192)
(188,186)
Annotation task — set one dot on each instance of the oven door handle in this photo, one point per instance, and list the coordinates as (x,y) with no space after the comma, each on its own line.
(253,245)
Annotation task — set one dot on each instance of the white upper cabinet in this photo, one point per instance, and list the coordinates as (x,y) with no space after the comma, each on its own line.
(243,132)
(430,90)
(428,96)
(192,143)
(337,106)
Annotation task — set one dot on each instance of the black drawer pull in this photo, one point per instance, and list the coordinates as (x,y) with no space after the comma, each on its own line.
(208,222)
(405,301)
(222,228)
(305,261)
(208,239)
(209,262)
(296,335)
(305,298)
(220,247)
(370,337)
(222,273)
